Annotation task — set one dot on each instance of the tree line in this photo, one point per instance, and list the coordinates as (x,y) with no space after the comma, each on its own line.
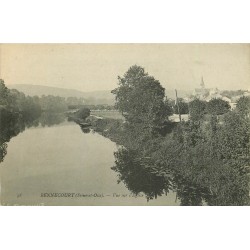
(13,101)
(218,106)
(31,107)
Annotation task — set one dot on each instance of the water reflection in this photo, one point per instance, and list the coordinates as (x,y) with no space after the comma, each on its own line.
(138,176)
(188,193)
(13,124)
(141,175)
(49,119)
(10,126)
(3,150)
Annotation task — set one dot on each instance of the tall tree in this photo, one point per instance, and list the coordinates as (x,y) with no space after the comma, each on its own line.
(141,98)
(4,92)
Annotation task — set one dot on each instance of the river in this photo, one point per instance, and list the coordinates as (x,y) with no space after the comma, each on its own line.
(61,160)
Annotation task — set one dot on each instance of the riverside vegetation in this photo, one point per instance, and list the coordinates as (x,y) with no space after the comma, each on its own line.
(204,160)
(18,112)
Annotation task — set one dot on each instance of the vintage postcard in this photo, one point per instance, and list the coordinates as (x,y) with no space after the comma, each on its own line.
(124,124)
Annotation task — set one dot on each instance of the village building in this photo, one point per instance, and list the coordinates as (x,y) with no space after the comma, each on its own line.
(206,94)
(202,92)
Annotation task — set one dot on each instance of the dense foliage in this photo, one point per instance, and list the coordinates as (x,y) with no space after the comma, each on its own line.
(197,109)
(141,98)
(217,107)
(243,105)
(13,101)
(205,160)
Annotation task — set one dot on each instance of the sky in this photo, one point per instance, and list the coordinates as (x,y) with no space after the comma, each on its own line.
(91,67)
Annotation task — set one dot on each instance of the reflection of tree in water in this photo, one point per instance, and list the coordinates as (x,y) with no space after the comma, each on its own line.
(11,124)
(50,119)
(188,193)
(141,174)
(137,175)
(3,151)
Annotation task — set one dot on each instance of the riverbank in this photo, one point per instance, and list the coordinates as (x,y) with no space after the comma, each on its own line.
(190,158)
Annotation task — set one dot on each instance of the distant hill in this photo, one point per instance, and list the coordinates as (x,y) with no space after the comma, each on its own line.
(93,97)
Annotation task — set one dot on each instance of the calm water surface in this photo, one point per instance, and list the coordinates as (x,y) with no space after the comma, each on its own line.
(63,159)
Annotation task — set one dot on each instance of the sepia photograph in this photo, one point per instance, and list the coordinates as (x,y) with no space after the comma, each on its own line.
(125,124)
